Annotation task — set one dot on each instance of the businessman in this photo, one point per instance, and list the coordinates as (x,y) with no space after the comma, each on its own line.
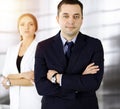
(69,66)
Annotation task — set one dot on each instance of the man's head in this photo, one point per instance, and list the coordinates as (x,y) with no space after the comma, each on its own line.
(72,2)
(70,18)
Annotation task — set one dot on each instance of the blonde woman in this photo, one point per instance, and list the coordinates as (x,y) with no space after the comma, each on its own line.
(19,67)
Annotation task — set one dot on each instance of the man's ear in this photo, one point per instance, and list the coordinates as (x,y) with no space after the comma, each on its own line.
(57,18)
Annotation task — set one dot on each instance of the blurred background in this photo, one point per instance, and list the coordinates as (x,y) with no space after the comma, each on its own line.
(101,20)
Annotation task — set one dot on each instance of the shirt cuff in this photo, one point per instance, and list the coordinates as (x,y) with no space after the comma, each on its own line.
(60,79)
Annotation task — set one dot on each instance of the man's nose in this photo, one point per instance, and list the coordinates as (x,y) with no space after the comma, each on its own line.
(71,20)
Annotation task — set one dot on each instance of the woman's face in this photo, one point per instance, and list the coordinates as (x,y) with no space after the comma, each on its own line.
(27,27)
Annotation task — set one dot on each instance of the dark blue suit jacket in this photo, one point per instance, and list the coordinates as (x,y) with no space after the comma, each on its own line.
(77,90)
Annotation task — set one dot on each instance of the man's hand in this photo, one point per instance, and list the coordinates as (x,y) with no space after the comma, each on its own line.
(50,73)
(91,69)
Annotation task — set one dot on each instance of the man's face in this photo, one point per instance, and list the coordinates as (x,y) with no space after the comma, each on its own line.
(70,19)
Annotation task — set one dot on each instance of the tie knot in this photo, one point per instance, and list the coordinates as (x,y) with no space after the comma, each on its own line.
(69,44)
(68,51)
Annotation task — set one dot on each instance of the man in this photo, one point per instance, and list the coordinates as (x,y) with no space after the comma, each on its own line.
(68,77)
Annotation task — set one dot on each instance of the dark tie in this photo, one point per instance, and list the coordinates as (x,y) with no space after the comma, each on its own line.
(68,52)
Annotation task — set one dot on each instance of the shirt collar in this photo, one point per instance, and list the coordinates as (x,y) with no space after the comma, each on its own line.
(64,40)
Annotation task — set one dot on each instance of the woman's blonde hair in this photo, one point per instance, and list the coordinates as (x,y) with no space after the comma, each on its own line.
(32,17)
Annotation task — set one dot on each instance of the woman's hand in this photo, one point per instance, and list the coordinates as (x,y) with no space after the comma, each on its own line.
(4,81)
(27,75)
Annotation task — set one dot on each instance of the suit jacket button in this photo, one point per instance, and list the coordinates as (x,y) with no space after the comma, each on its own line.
(76,91)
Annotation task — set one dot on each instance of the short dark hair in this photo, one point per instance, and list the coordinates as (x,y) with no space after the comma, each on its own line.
(72,2)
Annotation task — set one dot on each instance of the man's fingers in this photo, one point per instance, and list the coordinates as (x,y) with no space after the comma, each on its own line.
(90,65)
(91,69)
(94,71)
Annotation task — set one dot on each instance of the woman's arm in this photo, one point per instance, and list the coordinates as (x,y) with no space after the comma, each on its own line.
(26,75)
(20,82)
(16,82)
(22,79)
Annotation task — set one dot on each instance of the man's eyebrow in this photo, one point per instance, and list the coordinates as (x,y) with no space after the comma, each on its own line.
(73,14)
(65,13)
(76,14)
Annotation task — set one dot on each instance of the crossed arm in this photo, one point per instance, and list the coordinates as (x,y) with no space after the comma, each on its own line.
(22,79)
(90,69)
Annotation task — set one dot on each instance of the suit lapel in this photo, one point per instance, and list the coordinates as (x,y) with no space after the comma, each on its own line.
(58,50)
(76,51)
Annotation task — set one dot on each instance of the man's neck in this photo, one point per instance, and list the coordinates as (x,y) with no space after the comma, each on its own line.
(69,37)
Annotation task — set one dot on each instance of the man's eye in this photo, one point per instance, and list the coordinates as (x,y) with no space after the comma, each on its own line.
(65,16)
(76,17)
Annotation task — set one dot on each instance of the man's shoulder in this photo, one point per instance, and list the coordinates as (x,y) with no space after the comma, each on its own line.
(46,41)
(90,38)
(49,40)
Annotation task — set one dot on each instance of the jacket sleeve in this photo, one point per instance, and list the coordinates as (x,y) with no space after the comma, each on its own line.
(89,82)
(43,85)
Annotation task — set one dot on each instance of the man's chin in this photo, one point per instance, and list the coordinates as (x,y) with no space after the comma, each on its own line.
(70,32)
